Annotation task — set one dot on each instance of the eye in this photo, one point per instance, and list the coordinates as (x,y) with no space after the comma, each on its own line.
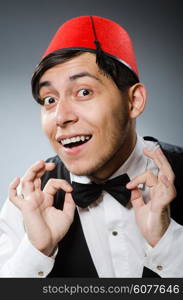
(84,92)
(49,100)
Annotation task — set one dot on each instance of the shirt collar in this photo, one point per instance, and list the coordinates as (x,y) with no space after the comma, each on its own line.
(135,164)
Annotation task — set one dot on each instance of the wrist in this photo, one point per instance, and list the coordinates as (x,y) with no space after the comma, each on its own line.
(158,228)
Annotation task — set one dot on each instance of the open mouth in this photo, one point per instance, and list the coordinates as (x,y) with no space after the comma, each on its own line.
(75,141)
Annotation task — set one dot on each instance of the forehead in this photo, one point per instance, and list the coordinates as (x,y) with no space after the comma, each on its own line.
(85,62)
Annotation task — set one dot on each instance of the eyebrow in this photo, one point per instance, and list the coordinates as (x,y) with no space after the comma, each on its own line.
(83,74)
(43,83)
(71,78)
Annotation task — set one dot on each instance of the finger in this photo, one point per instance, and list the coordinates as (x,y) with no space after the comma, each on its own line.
(37,170)
(12,192)
(169,185)
(69,206)
(147,178)
(136,199)
(166,167)
(161,161)
(153,154)
(48,167)
(34,172)
(27,181)
(37,183)
(53,185)
(13,186)
(165,193)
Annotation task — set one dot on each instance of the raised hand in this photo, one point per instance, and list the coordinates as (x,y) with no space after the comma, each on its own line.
(45,225)
(153,218)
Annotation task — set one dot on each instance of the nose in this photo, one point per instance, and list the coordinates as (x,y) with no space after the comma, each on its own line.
(65,113)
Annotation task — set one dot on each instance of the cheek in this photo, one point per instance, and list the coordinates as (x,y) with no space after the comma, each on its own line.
(108,117)
(114,123)
(48,124)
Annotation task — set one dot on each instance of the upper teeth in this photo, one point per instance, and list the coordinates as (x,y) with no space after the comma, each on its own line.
(75,139)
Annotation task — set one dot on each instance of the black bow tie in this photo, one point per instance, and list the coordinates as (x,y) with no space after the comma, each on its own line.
(84,194)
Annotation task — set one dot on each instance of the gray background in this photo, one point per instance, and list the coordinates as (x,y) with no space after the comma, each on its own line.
(26,28)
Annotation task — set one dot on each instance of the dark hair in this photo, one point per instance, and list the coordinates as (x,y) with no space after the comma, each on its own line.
(120,74)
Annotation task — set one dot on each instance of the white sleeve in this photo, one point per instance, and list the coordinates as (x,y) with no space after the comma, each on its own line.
(18,257)
(166,258)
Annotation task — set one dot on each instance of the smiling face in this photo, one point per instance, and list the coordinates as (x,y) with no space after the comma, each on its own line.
(86,117)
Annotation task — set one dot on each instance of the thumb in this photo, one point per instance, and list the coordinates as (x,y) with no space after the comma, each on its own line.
(136,199)
(69,206)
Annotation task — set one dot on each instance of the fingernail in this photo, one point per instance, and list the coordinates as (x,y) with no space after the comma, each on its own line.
(40,163)
(69,187)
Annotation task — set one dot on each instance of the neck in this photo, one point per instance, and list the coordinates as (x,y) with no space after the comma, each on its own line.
(117,160)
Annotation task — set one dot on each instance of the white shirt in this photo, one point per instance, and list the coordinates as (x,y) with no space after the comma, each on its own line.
(114,240)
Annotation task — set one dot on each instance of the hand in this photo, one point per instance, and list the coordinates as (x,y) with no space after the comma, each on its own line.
(153,218)
(45,225)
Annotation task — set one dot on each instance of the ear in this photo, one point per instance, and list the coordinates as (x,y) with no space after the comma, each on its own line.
(137,100)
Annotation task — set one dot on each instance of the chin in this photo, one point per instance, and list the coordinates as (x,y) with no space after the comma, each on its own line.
(79,170)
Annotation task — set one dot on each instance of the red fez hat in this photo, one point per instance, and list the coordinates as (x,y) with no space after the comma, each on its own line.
(89,32)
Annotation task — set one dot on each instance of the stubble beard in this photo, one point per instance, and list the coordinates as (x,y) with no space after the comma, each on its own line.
(100,164)
(112,160)
(116,154)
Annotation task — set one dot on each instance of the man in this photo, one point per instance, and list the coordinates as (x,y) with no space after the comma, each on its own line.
(101,206)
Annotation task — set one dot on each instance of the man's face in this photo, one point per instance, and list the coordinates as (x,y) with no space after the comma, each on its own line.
(85,116)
